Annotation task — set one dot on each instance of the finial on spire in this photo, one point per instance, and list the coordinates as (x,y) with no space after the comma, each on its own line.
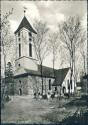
(25,10)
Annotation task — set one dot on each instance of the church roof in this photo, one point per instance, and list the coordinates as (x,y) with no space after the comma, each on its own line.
(46,71)
(26,24)
(60,74)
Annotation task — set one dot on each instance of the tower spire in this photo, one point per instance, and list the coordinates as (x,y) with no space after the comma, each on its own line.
(24,10)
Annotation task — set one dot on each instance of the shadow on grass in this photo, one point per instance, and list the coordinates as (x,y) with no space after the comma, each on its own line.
(76,120)
(67,120)
(83,101)
(66,117)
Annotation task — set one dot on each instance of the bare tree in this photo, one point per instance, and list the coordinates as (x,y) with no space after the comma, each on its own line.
(83,52)
(53,45)
(84,59)
(5,43)
(71,34)
(40,44)
(6,39)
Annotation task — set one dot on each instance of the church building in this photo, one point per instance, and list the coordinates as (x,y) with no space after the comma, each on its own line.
(28,71)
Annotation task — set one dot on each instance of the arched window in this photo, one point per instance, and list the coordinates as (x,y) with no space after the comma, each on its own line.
(68,85)
(19,50)
(64,90)
(55,88)
(19,39)
(49,84)
(30,49)
(20,91)
(19,33)
(30,34)
(30,39)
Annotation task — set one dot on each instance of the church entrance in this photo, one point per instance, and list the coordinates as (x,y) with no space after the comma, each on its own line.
(64,90)
(20,91)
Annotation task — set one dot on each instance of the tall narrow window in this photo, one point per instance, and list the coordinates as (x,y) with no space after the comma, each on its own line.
(55,88)
(68,85)
(30,34)
(19,50)
(49,84)
(19,39)
(19,33)
(64,90)
(30,49)
(30,39)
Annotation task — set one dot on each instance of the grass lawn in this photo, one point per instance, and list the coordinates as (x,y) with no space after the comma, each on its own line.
(24,109)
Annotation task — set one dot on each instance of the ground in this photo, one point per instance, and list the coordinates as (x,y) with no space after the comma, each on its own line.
(25,109)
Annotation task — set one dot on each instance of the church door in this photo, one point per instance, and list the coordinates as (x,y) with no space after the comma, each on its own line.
(64,90)
(20,91)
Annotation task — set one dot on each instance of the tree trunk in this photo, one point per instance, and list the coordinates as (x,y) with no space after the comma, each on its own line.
(87,85)
(54,65)
(53,62)
(4,86)
(53,68)
(42,78)
(71,65)
(74,72)
(45,85)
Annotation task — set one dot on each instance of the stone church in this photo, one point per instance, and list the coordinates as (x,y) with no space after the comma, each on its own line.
(27,75)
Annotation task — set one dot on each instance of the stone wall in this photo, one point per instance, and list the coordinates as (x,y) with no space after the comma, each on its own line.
(21,83)
(31,84)
(37,84)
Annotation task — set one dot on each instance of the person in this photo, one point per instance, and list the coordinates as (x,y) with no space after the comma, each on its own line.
(35,95)
(40,96)
(48,95)
(53,95)
(56,94)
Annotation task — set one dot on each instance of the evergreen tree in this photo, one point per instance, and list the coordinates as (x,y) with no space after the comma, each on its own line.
(9,79)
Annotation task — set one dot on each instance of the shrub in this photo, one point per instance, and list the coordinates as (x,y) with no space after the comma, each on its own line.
(44,96)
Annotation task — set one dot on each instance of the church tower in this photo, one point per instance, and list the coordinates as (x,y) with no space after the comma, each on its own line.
(25,52)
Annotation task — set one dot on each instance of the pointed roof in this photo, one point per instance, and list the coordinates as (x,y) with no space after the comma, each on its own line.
(26,24)
(60,75)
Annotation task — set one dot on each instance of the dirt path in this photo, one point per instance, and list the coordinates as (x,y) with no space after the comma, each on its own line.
(25,109)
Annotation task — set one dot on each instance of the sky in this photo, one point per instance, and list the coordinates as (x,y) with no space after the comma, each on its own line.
(48,11)
(51,12)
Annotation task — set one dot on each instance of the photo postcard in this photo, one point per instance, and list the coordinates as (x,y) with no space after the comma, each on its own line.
(44,62)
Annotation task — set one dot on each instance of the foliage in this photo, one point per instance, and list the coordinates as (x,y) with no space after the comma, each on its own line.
(9,71)
(6,41)
(9,79)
